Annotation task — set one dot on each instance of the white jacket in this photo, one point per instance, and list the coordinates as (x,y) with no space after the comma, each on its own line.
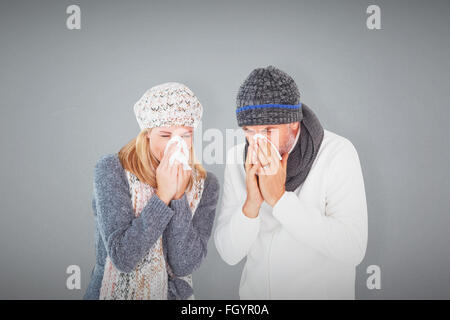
(308,245)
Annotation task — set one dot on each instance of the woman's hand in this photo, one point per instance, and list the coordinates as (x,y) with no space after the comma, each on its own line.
(182,181)
(166,176)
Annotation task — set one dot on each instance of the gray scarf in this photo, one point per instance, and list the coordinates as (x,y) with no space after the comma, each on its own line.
(305,151)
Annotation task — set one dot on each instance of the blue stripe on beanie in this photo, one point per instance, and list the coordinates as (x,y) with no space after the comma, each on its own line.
(269,105)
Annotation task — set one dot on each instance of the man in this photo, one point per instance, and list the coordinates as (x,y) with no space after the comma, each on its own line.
(301,221)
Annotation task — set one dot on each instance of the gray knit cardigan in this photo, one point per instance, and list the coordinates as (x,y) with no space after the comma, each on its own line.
(127,239)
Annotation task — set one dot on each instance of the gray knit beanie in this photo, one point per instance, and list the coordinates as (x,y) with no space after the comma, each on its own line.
(268,96)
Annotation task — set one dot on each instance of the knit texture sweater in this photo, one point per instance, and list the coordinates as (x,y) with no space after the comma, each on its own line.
(126,239)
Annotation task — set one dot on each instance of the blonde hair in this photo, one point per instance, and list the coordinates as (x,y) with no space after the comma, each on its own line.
(137,158)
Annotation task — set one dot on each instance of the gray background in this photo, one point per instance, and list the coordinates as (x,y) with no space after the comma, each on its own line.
(66,99)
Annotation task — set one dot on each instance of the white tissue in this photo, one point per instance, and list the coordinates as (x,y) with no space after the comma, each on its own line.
(181,153)
(256,136)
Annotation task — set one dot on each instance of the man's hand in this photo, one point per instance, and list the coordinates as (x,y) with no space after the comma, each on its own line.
(254,198)
(272,173)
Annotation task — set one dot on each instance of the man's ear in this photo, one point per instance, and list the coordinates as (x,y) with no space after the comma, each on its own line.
(295,125)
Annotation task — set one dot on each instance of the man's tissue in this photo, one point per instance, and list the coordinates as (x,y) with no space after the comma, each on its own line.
(256,136)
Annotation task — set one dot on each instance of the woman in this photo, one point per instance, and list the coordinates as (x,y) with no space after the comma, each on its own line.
(153,216)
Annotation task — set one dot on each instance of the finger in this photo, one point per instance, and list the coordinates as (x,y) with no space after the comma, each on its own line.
(247,163)
(185,174)
(253,156)
(275,163)
(163,163)
(271,154)
(167,153)
(270,168)
(171,149)
(272,158)
(249,158)
(254,168)
(176,178)
(181,174)
(266,147)
(174,169)
(261,172)
(262,157)
(258,166)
